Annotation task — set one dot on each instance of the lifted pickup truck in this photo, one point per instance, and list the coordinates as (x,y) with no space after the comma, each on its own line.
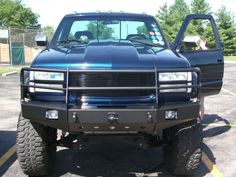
(115,74)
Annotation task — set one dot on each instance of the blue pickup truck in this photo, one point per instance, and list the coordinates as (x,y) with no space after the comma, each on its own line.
(116,74)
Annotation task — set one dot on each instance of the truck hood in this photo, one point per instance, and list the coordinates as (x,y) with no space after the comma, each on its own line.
(108,55)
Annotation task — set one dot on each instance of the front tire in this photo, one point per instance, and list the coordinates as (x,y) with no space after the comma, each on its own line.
(36,149)
(183,148)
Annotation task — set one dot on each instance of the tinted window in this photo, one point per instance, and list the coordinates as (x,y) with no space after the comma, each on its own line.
(97,28)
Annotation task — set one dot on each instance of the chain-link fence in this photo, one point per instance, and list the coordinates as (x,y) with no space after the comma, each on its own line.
(17,45)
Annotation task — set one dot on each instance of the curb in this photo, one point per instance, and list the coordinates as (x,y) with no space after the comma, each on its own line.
(230,62)
(9,73)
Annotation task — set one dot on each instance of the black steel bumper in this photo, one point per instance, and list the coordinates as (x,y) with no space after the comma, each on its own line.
(101,119)
(97,120)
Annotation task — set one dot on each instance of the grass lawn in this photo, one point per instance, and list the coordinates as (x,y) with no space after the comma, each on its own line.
(9,69)
(230,58)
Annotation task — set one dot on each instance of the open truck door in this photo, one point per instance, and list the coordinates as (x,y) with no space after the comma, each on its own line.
(198,40)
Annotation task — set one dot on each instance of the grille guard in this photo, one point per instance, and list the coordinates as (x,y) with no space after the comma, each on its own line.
(68,88)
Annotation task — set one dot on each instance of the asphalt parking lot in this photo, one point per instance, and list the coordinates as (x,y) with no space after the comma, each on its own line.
(112,158)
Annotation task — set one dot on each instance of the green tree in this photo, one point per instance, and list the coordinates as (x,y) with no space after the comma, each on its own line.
(227,30)
(200,7)
(202,27)
(179,10)
(48,31)
(142,30)
(163,17)
(14,14)
(171,18)
(100,30)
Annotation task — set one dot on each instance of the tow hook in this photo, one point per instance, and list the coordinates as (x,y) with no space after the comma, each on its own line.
(113,118)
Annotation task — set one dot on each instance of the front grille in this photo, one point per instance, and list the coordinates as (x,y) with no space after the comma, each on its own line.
(113,93)
(111,79)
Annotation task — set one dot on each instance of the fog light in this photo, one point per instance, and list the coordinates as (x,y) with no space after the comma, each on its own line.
(52,114)
(127,127)
(171,114)
(112,127)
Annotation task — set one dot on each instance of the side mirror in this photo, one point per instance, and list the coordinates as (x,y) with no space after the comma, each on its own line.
(41,40)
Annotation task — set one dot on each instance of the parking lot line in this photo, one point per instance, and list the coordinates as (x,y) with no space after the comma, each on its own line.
(211,166)
(220,124)
(229,92)
(7,155)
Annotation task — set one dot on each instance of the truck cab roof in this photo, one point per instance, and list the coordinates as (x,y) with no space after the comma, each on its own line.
(98,13)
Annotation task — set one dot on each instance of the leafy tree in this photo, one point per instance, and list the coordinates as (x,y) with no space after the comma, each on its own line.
(200,7)
(163,13)
(179,10)
(14,14)
(48,31)
(202,27)
(209,36)
(171,18)
(227,30)
(100,30)
(163,17)
(142,30)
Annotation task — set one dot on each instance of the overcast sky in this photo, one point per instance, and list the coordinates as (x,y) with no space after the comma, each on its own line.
(52,11)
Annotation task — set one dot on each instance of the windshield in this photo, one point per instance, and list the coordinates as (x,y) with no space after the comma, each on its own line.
(80,31)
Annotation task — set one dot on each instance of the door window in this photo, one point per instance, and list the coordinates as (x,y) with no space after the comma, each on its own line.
(199,36)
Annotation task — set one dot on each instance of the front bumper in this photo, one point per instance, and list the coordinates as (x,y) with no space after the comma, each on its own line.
(97,120)
(102,120)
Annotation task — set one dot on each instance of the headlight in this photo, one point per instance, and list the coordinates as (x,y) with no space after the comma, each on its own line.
(32,90)
(173,89)
(50,76)
(175,76)
(45,76)
(185,77)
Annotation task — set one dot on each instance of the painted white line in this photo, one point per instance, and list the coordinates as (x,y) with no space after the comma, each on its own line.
(229,92)
(220,125)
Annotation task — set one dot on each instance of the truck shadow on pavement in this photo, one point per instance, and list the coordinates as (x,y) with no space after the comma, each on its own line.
(111,157)
(214,125)
(7,141)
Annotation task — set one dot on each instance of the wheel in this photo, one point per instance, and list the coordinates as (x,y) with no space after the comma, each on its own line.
(36,148)
(183,148)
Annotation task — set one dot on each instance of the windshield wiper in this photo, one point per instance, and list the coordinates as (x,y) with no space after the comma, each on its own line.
(144,42)
(69,41)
